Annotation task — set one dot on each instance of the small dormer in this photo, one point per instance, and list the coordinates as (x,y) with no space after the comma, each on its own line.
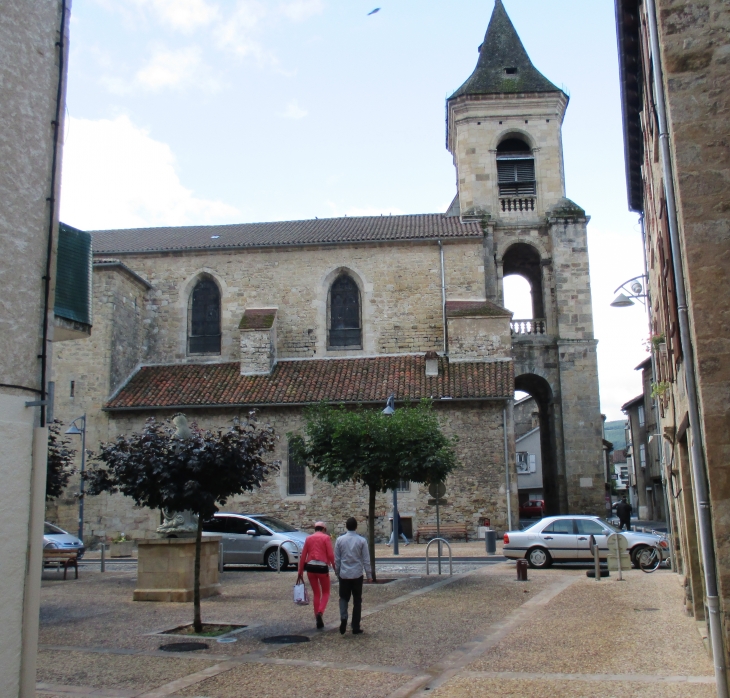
(258,341)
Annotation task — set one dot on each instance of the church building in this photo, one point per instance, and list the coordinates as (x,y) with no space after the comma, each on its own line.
(215,321)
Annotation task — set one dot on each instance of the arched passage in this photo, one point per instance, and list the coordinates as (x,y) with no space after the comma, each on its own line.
(524,260)
(540,390)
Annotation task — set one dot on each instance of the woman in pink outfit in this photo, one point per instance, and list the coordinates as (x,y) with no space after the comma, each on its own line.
(316,558)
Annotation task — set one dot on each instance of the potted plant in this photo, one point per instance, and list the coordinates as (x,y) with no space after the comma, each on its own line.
(121,547)
(658,389)
(659,343)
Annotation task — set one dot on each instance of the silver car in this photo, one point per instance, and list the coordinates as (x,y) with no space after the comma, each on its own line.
(55,538)
(567,539)
(252,539)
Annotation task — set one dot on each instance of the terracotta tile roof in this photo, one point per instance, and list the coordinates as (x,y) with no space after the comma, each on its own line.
(311,381)
(324,231)
(475,309)
(257,319)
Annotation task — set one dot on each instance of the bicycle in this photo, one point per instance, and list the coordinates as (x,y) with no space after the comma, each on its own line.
(650,559)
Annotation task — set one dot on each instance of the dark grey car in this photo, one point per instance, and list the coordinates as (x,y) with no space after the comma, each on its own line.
(252,539)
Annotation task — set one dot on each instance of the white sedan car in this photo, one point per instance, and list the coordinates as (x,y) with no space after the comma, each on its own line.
(567,539)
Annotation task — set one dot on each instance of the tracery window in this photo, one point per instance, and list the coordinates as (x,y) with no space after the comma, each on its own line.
(204,328)
(345,329)
(515,168)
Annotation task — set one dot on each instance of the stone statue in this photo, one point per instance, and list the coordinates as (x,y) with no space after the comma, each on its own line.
(179,524)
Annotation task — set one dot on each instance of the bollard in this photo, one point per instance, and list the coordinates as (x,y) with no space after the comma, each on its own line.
(490,540)
(521,570)
(103,559)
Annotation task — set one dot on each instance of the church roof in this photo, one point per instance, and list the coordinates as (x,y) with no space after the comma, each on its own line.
(323,231)
(502,51)
(309,381)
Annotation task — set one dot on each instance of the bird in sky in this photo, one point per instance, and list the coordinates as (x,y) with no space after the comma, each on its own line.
(372,12)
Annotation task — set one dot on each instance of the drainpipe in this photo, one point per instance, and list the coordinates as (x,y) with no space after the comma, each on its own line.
(506,470)
(443,298)
(699,474)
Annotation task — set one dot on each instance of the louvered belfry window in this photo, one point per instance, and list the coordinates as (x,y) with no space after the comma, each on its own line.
(345,329)
(515,168)
(205,318)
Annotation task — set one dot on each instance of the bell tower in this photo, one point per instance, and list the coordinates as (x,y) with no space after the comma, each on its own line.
(504,132)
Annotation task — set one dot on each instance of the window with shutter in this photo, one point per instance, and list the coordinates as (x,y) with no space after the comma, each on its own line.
(204,336)
(515,168)
(345,329)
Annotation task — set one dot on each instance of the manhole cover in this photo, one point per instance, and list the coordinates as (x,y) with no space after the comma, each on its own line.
(285,639)
(184,646)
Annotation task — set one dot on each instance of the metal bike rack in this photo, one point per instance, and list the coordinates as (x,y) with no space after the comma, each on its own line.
(278,552)
(440,540)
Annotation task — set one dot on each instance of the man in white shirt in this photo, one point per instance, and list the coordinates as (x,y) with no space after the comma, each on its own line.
(352,557)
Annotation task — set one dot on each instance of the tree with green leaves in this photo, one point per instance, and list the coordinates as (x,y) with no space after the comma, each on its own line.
(363,445)
(184,469)
(60,461)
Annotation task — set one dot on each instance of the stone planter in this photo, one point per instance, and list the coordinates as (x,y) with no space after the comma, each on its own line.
(165,569)
(121,549)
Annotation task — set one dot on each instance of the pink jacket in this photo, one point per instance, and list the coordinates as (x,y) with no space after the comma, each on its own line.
(318,546)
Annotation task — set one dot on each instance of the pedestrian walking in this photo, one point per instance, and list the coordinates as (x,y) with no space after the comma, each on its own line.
(623,511)
(400,531)
(316,559)
(351,559)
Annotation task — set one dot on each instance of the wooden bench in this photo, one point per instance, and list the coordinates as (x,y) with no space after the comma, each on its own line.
(64,558)
(449,530)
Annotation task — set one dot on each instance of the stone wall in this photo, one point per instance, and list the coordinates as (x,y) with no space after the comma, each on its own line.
(475,490)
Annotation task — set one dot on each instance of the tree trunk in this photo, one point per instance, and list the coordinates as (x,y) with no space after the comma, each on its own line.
(371,529)
(197,623)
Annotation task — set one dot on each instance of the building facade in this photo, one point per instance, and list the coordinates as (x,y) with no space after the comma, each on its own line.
(675,91)
(216,320)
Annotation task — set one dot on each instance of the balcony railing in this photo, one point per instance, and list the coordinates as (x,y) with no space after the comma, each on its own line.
(523,203)
(522,327)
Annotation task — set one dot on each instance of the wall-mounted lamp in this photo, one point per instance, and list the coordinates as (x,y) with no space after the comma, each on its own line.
(630,290)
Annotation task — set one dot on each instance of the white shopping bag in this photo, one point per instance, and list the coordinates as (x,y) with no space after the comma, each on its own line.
(301,597)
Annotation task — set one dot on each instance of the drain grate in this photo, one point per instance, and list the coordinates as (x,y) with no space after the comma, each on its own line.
(184,646)
(285,639)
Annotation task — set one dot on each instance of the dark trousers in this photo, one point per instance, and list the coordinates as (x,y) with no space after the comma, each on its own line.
(351,587)
(625,522)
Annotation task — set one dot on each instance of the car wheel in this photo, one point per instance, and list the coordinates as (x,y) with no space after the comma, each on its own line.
(270,560)
(636,554)
(539,558)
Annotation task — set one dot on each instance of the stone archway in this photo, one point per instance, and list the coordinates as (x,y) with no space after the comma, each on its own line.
(539,389)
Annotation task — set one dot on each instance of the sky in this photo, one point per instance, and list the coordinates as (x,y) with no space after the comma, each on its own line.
(225,111)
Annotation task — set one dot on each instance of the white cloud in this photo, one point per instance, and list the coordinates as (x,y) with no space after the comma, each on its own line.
(299,10)
(294,111)
(238,32)
(169,68)
(183,15)
(116,176)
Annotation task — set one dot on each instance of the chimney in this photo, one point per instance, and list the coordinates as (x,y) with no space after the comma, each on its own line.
(258,341)
(432,363)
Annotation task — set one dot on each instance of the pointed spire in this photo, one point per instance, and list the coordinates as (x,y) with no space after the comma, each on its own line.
(503,65)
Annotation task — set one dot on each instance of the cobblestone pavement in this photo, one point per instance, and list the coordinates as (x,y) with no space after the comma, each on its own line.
(478,633)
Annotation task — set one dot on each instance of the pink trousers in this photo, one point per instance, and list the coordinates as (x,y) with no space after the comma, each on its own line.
(320,590)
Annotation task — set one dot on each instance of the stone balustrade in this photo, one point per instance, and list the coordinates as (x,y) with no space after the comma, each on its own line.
(517,203)
(521,327)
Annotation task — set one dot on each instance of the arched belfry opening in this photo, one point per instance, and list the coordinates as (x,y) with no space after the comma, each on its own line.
(515,168)
(538,388)
(523,260)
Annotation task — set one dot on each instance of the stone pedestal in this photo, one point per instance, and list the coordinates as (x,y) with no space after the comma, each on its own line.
(166,569)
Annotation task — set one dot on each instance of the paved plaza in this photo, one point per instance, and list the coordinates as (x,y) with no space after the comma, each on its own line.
(478,633)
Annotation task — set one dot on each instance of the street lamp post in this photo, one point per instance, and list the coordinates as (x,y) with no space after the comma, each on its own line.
(74,429)
(390,411)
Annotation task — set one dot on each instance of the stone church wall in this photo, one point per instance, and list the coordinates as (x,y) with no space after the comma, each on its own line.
(475,490)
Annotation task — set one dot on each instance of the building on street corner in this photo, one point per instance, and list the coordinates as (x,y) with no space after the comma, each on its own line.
(676,92)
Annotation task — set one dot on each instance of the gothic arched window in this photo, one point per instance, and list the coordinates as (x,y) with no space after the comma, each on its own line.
(204,329)
(515,168)
(345,329)
(296,481)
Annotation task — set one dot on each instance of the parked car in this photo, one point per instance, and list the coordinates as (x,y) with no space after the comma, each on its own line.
(567,539)
(56,538)
(532,508)
(252,539)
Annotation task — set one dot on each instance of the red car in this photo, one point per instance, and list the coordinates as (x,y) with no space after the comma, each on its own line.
(532,508)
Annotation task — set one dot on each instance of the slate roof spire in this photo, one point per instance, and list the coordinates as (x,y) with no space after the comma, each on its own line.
(503,65)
